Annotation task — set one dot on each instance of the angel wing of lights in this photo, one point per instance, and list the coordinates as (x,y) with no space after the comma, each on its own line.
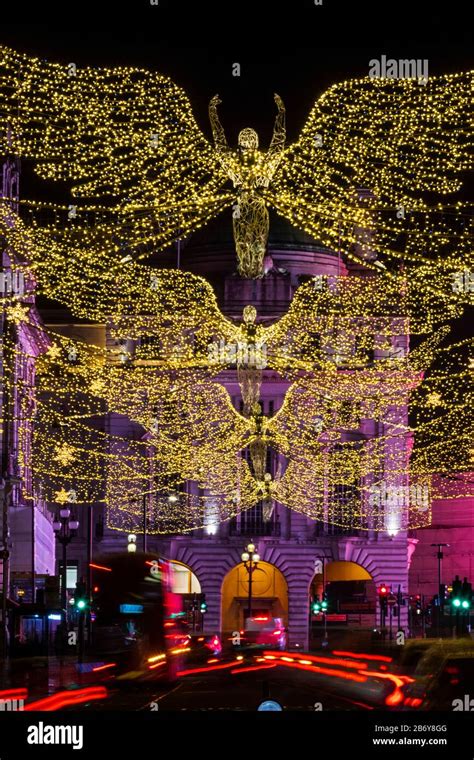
(369,155)
(141,173)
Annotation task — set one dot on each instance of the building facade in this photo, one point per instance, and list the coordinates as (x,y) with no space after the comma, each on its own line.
(25,519)
(299,556)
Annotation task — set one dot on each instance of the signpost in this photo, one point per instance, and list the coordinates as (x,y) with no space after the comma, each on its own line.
(391,602)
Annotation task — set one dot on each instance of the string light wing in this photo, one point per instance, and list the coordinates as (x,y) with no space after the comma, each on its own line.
(370,151)
(126,142)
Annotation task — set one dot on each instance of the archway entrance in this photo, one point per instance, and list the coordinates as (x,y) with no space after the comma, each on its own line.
(269,595)
(350,594)
(183,579)
(185,583)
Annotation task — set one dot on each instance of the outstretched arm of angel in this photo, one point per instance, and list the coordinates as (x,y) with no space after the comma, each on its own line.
(277,144)
(217,128)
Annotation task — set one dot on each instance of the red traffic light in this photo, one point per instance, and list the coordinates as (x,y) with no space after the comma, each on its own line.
(383,590)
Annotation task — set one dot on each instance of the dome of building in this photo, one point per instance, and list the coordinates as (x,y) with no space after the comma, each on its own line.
(292,257)
(218,235)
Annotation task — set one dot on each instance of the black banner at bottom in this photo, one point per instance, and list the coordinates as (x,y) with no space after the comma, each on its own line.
(126,734)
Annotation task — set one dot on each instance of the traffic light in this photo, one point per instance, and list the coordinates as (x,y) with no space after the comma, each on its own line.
(315,606)
(81,602)
(383,592)
(416,603)
(466,595)
(442,595)
(324,604)
(457,594)
(203,605)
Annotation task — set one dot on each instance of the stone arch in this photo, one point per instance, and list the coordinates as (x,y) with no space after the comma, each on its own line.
(349,590)
(210,563)
(296,562)
(269,595)
(188,583)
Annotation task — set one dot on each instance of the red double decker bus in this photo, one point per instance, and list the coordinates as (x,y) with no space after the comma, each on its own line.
(136,619)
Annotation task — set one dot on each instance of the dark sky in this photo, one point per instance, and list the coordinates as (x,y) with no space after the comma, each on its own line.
(295,48)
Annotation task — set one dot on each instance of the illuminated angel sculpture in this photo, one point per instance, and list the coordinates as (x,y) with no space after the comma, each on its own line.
(141,174)
(193,459)
(199,458)
(250,172)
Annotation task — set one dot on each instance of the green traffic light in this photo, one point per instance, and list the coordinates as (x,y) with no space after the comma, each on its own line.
(324,605)
(456,602)
(465,604)
(81,604)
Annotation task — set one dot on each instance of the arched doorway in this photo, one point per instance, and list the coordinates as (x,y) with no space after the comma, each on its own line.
(350,593)
(185,583)
(269,595)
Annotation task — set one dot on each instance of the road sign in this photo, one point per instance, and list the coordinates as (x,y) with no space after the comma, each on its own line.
(391,600)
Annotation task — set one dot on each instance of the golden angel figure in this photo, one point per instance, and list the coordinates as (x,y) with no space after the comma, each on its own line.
(383,155)
(250,171)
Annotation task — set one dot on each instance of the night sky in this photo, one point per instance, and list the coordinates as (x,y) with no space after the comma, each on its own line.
(295,49)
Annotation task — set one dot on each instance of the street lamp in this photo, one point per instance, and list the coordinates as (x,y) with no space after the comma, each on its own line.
(250,558)
(65,526)
(439,556)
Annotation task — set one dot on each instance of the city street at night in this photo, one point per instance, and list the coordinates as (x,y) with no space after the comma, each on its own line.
(294,681)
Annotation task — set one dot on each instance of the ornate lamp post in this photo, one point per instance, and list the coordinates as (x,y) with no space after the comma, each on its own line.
(250,558)
(65,527)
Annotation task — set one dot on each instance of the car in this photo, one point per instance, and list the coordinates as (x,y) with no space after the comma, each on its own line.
(443,675)
(449,688)
(202,646)
(412,653)
(435,655)
(263,631)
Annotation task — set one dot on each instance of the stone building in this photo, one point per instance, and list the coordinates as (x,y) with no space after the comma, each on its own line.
(25,522)
(295,550)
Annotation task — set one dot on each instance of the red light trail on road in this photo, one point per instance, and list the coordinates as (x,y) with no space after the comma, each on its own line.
(223,666)
(251,668)
(283,659)
(13,694)
(396,696)
(313,658)
(68,698)
(362,656)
